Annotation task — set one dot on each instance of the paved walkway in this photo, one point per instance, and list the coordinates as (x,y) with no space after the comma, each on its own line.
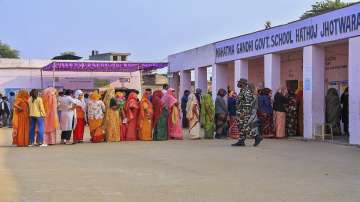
(278,170)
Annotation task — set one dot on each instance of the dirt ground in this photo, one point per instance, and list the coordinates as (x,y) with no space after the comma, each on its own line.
(204,170)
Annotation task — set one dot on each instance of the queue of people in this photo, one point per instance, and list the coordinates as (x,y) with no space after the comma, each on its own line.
(251,113)
(115,116)
(118,115)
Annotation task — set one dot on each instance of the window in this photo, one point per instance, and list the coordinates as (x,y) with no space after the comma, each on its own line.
(115,58)
(123,58)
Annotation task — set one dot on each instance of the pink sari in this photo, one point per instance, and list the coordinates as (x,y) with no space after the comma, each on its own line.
(174,119)
(51,118)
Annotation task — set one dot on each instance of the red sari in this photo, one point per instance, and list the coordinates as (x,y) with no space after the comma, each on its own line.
(132,112)
(78,134)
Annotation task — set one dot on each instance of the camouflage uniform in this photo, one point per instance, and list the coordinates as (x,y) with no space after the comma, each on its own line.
(244,108)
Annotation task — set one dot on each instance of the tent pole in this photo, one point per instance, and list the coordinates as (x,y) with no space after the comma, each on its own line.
(53,74)
(141,82)
(42,81)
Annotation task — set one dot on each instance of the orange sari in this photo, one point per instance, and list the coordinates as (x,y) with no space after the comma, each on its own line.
(145,118)
(21,120)
(132,112)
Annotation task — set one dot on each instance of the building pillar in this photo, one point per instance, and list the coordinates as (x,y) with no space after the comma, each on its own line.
(174,82)
(201,78)
(354,92)
(272,67)
(241,72)
(219,78)
(185,82)
(314,88)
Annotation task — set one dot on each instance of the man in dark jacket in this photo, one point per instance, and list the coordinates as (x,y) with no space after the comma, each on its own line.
(345,110)
(5,111)
(184,100)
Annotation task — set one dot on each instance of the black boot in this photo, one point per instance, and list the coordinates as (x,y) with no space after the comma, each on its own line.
(258,139)
(240,143)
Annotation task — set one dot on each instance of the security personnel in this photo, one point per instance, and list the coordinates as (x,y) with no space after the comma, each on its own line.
(244,107)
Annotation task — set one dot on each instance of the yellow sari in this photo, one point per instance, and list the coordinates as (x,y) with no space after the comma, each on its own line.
(145,118)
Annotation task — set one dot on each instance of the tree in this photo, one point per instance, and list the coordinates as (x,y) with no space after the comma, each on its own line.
(7,52)
(324,6)
(67,55)
(268,25)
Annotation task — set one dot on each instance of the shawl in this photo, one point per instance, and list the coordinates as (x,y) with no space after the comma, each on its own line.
(50,106)
(131,103)
(207,112)
(158,105)
(169,99)
(192,102)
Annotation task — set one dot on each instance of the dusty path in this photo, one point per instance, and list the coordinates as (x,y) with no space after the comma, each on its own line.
(279,170)
(8,186)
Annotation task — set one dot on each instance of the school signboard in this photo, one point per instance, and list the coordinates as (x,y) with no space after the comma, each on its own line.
(337,25)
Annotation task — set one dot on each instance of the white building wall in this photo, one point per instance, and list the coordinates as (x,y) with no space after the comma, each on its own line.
(241,72)
(185,82)
(199,57)
(272,68)
(201,78)
(314,85)
(19,73)
(354,92)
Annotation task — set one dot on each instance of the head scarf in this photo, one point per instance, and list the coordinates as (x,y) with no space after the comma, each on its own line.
(207,111)
(192,102)
(110,93)
(22,95)
(131,103)
(145,101)
(169,98)
(78,93)
(95,96)
(50,105)
(158,105)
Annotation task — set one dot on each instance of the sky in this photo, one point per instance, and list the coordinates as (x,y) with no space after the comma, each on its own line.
(149,29)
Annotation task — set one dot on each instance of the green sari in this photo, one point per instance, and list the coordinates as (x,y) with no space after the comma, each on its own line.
(160,128)
(207,116)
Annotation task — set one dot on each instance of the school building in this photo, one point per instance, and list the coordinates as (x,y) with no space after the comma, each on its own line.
(317,53)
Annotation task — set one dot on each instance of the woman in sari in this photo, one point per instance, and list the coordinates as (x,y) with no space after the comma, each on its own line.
(193,116)
(280,103)
(51,117)
(96,110)
(112,117)
(120,102)
(207,115)
(132,113)
(80,110)
(221,114)
(145,118)
(160,117)
(265,114)
(234,132)
(174,119)
(21,119)
(333,110)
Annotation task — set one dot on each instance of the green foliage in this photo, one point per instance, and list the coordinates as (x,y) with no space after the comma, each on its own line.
(268,25)
(68,53)
(7,52)
(323,7)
